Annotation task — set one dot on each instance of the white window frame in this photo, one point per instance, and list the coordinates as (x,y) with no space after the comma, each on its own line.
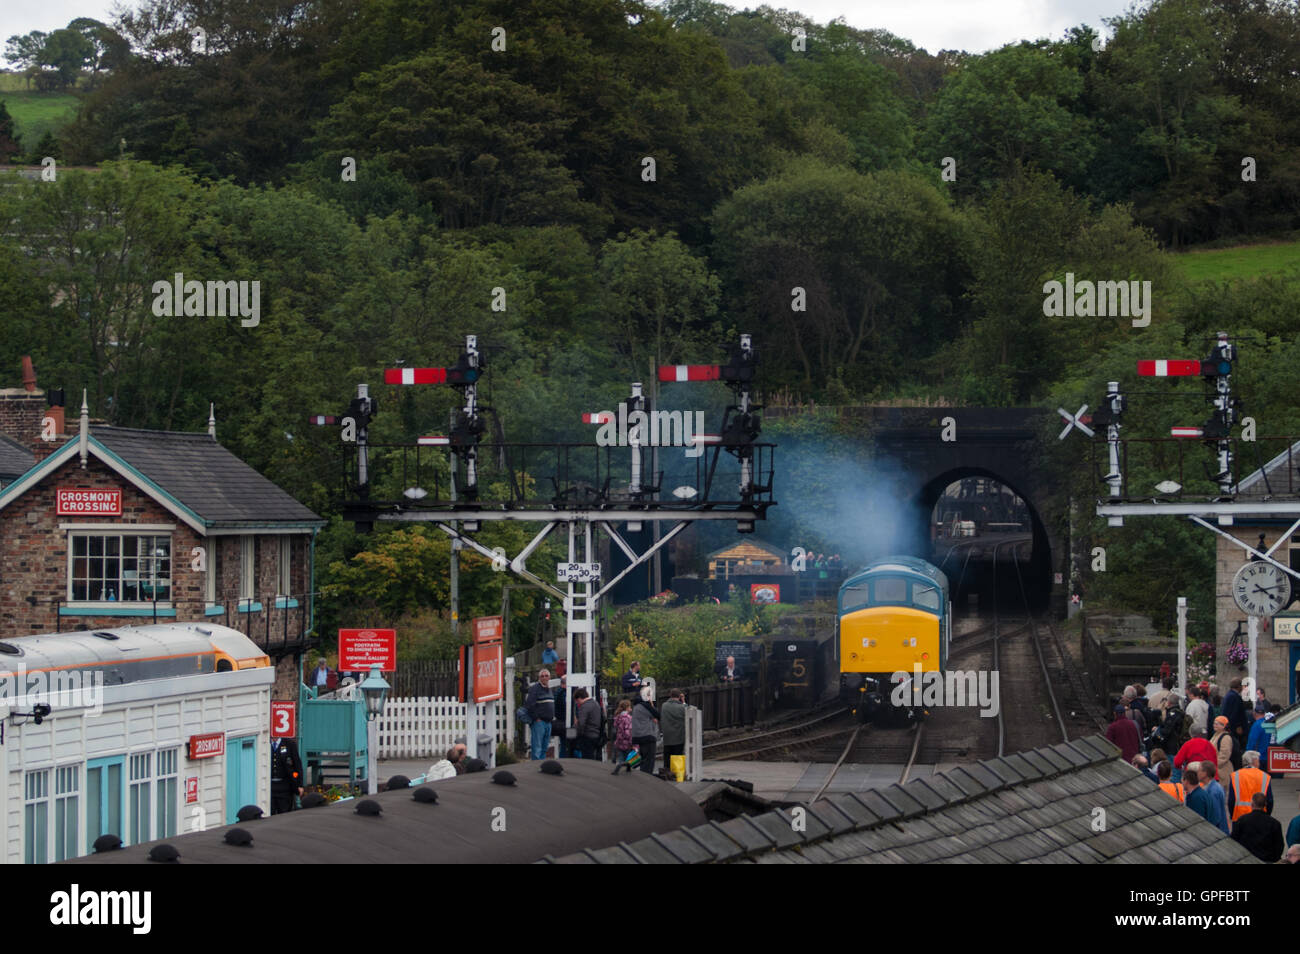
(210,548)
(36,804)
(247,568)
(139,787)
(167,768)
(285,567)
(58,796)
(123,532)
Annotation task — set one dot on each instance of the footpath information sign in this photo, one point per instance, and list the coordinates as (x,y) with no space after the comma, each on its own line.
(359,649)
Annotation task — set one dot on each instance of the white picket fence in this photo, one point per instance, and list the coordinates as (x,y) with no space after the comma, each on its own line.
(426,727)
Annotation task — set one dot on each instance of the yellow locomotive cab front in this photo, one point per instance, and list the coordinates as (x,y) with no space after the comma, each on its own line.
(888,639)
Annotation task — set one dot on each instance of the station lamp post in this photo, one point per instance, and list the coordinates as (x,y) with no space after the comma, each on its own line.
(375,689)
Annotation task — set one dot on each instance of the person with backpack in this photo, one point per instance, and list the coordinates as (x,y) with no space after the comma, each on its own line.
(645,733)
(1222,741)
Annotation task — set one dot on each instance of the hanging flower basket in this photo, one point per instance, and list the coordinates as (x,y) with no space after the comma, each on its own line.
(1238,653)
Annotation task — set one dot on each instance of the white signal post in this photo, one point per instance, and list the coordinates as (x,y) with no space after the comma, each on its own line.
(582,576)
(1182,649)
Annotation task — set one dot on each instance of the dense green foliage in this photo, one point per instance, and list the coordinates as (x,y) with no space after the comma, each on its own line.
(640,183)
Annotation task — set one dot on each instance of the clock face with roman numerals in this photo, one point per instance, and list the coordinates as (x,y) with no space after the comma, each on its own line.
(1261,589)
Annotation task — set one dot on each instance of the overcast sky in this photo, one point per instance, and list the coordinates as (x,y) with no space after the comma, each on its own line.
(973,25)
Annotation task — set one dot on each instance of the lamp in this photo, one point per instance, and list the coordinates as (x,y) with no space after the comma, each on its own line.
(375,688)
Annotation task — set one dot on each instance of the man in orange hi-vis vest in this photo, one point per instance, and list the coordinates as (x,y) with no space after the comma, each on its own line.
(1246,781)
(1172,789)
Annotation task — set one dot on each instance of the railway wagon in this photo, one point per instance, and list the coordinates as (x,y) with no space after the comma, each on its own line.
(894,616)
(140,732)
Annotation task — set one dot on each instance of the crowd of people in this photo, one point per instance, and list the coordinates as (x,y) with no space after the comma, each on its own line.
(629,738)
(1218,742)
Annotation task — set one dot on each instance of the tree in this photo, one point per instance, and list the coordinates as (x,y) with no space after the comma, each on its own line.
(98,241)
(479,147)
(661,298)
(67,52)
(856,276)
(48,146)
(1006,110)
(1164,107)
(24,51)
(10,144)
(109,49)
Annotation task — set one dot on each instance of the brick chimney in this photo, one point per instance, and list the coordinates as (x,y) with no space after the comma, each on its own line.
(23,412)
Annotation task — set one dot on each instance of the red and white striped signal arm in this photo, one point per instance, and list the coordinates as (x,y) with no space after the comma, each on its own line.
(1186,432)
(321,419)
(690,372)
(1174,368)
(597,417)
(415,375)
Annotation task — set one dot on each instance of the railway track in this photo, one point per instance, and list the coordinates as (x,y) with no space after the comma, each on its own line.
(790,737)
(1014,659)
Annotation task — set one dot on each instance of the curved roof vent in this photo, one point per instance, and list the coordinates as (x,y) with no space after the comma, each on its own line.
(9,649)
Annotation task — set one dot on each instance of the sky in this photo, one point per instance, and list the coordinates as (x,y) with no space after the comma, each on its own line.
(972,25)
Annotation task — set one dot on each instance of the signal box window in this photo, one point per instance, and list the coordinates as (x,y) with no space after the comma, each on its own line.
(120,567)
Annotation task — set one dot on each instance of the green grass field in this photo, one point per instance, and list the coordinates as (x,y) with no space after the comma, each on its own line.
(1243,261)
(35,113)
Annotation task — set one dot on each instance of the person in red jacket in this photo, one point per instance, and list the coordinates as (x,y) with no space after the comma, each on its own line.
(1123,731)
(1197,750)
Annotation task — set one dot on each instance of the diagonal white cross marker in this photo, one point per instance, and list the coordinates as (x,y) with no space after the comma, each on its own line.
(1072,421)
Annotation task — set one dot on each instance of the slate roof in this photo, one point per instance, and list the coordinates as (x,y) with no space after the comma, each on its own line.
(1035,807)
(15,459)
(204,476)
(1282,472)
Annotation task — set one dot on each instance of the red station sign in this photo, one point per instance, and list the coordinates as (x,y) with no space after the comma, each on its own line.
(489,659)
(1282,759)
(207,746)
(284,720)
(359,649)
(87,502)
(191,789)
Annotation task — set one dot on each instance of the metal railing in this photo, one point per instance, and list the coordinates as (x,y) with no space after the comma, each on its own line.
(276,636)
(1189,463)
(549,475)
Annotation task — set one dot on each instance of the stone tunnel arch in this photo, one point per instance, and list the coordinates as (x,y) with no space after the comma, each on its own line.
(1038,573)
